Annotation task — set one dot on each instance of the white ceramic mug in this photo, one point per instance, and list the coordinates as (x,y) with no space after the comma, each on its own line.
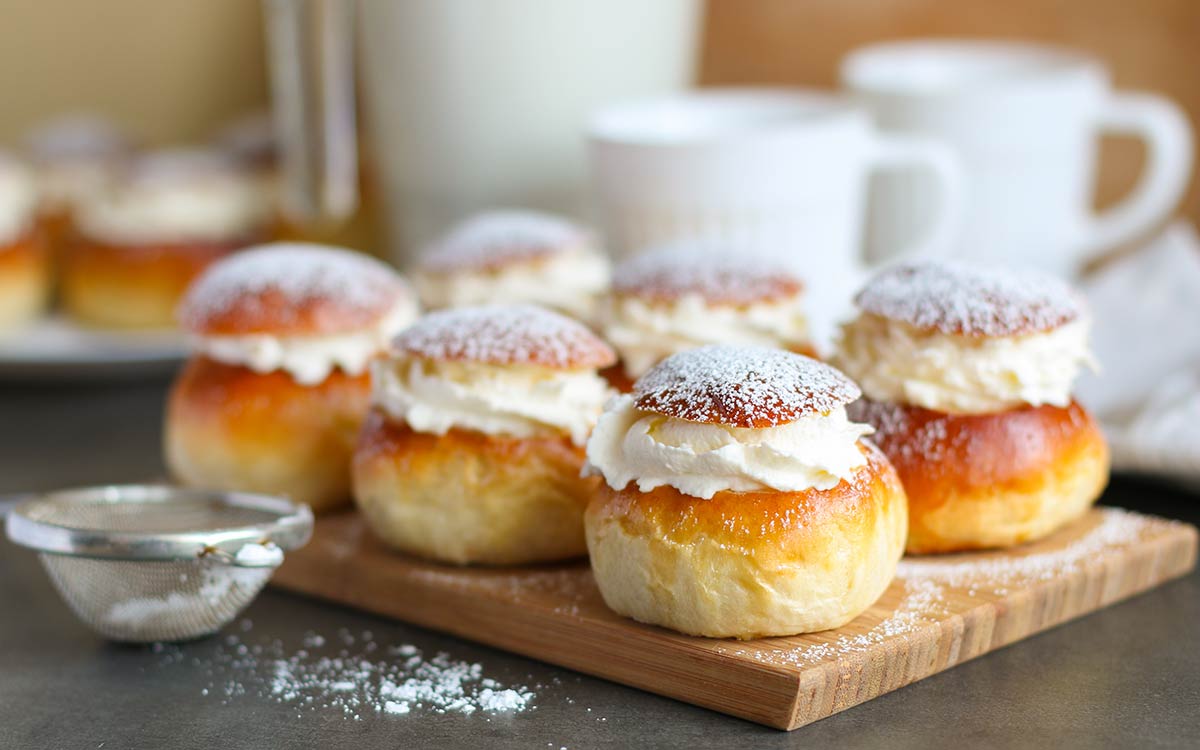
(778,170)
(471,105)
(1025,121)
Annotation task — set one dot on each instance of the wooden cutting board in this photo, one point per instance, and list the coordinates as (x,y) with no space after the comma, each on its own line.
(940,611)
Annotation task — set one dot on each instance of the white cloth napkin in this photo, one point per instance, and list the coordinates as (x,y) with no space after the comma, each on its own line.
(1146,310)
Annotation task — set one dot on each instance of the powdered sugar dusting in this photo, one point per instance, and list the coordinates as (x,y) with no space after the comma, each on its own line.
(903,441)
(494,239)
(971,300)
(719,275)
(300,273)
(352,673)
(1118,528)
(928,582)
(742,386)
(922,604)
(505,335)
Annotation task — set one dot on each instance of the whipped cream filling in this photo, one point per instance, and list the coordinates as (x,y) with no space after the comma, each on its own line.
(645,333)
(18,198)
(206,208)
(515,401)
(570,281)
(309,359)
(652,450)
(894,361)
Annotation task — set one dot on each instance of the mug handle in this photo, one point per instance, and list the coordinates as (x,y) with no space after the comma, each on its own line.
(906,152)
(1164,128)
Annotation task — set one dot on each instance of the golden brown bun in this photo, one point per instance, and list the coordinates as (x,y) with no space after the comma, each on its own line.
(292,289)
(977,481)
(231,428)
(24,281)
(112,286)
(749,564)
(466,497)
(742,386)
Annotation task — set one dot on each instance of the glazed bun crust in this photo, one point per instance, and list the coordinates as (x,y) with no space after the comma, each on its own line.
(749,564)
(113,286)
(466,497)
(24,281)
(228,427)
(990,480)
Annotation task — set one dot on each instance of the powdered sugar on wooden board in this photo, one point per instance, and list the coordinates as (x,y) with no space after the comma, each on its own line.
(742,386)
(494,239)
(719,275)
(1002,570)
(928,581)
(972,300)
(300,273)
(505,335)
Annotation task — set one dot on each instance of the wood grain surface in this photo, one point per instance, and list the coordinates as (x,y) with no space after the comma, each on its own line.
(939,612)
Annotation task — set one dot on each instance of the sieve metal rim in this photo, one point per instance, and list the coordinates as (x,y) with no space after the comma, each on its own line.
(290,530)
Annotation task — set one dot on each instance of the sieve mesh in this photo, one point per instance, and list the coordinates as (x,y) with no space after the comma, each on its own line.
(153,600)
(153,563)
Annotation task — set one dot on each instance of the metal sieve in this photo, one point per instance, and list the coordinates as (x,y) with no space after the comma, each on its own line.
(157,563)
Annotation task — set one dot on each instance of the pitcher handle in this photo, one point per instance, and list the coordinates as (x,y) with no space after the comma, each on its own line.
(310,56)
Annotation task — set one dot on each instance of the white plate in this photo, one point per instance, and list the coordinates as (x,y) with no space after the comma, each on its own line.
(58,349)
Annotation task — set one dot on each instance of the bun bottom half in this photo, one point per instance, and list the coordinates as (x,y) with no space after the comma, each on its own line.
(749,564)
(110,286)
(983,481)
(228,427)
(24,282)
(465,497)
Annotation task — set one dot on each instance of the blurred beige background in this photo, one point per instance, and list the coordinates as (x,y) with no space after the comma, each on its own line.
(169,70)
(172,70)
(1148,44)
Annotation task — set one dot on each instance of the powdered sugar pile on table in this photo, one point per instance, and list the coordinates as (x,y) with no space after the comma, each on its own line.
(353,674)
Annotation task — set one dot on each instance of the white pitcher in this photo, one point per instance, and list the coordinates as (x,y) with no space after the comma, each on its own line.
(471,104)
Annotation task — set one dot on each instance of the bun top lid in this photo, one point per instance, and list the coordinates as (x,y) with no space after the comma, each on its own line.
(505,335)
(742,386)
(717,274)
(492,240)
(971,300)
(292,289)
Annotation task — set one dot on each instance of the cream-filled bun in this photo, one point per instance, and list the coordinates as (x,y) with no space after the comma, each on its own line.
(967,372)
(278,386)
(739,500)
(690,294)
(513,257)
(474,446)
(141,243)
(24,262)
